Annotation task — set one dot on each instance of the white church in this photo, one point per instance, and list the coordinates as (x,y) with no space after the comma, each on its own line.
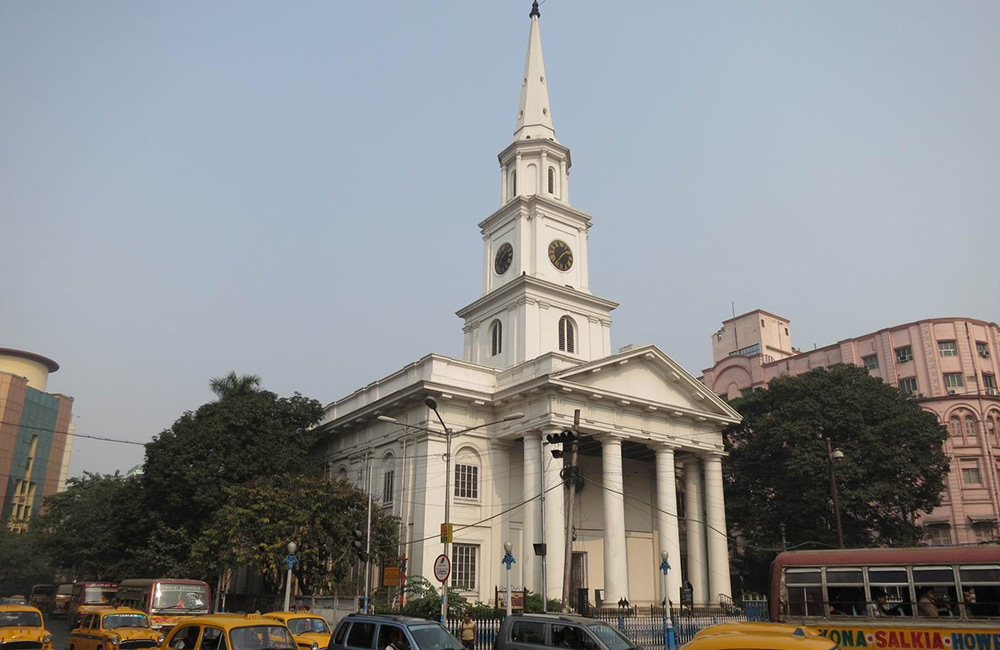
(537,342)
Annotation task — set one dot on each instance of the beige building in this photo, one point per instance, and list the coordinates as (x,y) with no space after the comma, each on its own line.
(948,365)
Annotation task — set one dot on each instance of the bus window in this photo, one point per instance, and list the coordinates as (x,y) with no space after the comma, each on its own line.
(935,588)
(805,592)
(890,592)
(980,590)
(845,588)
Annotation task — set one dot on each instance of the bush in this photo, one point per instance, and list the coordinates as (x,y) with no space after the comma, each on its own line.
(423,600)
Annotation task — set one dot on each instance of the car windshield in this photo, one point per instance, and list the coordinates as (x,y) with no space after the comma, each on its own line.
(307,625)
(431,636)
(20,619)
(261,637)
(181,598)
(98,595)
(65,590)
(610,637)
(112,621)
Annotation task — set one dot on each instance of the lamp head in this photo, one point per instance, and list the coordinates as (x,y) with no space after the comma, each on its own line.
(431,403)
(664,555)
(837,455)
(513,416)
(508,547)
(292,547)
(386,418)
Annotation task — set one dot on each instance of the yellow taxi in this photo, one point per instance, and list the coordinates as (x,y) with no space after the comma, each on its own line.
(121,628)
(230,632)
(752,627)
(311,631)
(22,626)
(772,640)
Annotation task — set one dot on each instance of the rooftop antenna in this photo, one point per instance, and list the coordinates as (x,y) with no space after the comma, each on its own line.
(732,305)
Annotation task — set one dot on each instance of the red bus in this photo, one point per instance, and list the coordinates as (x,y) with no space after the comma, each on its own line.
(165,600)
(88,596)
(935,598)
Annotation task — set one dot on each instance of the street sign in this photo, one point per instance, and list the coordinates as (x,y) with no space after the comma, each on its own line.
(442,568)
(447,533)
(390,576)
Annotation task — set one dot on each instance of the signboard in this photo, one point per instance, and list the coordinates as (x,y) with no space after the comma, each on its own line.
(390,576)
(447,533)
(442,568)
(516,598)
(940,636)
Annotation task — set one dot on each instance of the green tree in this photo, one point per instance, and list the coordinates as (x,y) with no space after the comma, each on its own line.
(241,437)
(88,529)
(23,560)
(233,385)
(423,599)
(261,517)
(778,473)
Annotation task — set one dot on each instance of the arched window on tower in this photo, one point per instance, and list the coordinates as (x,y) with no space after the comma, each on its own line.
(496,338)
(513,183)
(567,335)
(552,181)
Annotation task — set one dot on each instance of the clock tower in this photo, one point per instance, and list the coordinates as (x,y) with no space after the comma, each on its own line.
(536,296)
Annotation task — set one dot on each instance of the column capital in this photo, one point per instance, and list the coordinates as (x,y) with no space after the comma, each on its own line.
(534,434)
(606,437)
(660,446)
(713,454)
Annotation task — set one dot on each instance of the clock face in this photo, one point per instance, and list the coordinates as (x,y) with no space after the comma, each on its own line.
(503,259)
(560,255)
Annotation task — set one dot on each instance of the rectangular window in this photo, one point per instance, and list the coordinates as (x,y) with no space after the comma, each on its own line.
(938,534)
(970,473)
(982,349)
(947,349)
(953,380)
(361,635)
(870,362)
(388,486)
(748,351)
(467,481)
(904,354)
(989,380)
(985,531)
(528,632)
(908,385)
(463,575)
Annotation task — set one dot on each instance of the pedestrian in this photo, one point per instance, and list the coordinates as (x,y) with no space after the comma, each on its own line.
(468,632)
(928,603)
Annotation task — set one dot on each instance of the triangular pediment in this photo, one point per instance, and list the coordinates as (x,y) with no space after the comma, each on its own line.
(647,374)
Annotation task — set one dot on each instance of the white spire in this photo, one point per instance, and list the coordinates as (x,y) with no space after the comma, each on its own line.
(534,118)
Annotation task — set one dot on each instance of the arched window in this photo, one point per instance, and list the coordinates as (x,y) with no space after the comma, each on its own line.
(993,426)
(513,183)
(496,338)
(955,425)
(552,180)
(970,428)
(567,335)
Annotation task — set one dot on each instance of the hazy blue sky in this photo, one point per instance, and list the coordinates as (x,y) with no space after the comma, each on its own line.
(292,189)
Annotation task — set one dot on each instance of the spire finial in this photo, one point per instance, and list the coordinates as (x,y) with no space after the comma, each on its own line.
(534,10)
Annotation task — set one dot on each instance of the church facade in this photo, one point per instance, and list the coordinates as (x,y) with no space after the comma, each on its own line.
(537,348)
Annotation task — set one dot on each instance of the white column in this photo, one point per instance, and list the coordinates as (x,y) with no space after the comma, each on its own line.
(503,184)
(697,569)
(563,181)
(666,518)
(519,178)
(555,520)
(615,550)
(531,513)
(543,176)
(718,548)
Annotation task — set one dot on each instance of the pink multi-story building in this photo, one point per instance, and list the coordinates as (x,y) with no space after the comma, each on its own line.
(948,365)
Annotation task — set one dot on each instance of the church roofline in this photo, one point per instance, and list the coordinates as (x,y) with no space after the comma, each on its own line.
(521,145)
(544,286)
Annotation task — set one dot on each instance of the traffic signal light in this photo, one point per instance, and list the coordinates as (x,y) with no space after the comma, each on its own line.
(568,435)
(358,544)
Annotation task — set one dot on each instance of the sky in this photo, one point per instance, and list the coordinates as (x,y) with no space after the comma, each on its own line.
(293,189)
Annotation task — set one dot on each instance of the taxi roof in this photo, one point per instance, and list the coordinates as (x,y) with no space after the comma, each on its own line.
(230,620)
(20,608)
(105,611)
(756,627)
(286,616)
(759,641)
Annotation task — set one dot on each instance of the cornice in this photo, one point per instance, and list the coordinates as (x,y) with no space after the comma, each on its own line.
(529,283)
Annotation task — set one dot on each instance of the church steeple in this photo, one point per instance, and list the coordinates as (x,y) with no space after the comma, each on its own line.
(534,118)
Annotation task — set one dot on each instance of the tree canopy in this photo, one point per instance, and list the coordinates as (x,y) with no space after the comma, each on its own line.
(260,517)
(894,465)
(233,385)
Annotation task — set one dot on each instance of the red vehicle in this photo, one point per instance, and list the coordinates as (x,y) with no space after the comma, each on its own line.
(88,596)
(891,598)
(60,605)
(166,601)
(43,598)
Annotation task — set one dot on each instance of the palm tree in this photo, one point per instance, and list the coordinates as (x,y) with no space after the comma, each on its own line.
(232,385)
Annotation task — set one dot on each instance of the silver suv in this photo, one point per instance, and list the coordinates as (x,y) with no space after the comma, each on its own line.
(564,631)
(361,632)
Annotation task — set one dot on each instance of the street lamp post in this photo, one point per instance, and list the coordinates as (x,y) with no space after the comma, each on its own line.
(508,559)
(290,561)
(835,455)
(431,403)
(668,626)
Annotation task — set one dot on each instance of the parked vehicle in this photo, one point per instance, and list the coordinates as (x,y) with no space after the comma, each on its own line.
(311,631)
(23,627)
(759,641)
(165,600)
(60,604)
(360,632)
(88,597)
(529,631)
(121,628)
(43,597)
(755,627)
(230,632)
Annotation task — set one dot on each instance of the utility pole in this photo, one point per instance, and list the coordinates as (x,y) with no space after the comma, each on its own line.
(833,455)
(570,481)
(368,541)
